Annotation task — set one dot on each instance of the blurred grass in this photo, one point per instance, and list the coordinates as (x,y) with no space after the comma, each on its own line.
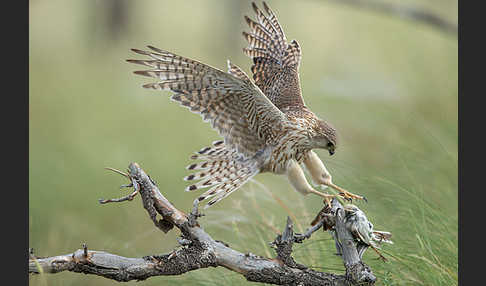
(389,87)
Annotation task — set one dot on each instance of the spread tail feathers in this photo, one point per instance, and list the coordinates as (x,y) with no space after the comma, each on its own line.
(222,171)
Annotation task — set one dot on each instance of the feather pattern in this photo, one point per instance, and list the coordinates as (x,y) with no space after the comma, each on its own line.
(231,103)
(275,62)
(223,171)
(264,125)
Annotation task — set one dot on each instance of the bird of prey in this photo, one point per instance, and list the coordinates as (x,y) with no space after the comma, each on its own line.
(362,230)
(265,124)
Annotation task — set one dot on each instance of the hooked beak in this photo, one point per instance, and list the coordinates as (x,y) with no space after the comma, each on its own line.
(331,152)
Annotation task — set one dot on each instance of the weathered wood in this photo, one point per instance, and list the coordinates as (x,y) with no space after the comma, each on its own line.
(199,250)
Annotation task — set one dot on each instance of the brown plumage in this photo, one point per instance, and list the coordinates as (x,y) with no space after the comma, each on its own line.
(265,125)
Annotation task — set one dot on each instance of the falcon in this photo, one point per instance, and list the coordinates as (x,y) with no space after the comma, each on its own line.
(264,123)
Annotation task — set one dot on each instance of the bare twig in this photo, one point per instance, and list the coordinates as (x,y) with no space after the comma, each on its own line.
(200,250)
(129,197)
(122,199)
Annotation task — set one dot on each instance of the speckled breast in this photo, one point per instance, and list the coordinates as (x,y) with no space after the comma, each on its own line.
(292,144)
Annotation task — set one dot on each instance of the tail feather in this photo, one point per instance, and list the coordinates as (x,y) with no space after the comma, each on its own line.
(207,165)
(203,165)
(222,171)
(215,176)
(218,170)
(224,190)
(218,151)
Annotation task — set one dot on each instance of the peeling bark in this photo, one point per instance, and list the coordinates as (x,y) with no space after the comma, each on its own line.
(199,250)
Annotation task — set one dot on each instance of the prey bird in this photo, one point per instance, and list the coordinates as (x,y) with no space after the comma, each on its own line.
(362,230)
(265,124)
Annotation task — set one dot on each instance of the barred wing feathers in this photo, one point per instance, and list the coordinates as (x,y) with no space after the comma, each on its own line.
(275,62)
(233,105)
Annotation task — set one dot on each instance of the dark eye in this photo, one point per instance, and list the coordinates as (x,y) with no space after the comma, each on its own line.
(329,144)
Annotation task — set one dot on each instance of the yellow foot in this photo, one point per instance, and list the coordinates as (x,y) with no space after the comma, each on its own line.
(350,196)
(327,199)
(347,195)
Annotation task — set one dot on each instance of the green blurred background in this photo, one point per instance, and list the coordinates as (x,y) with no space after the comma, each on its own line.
(388,85)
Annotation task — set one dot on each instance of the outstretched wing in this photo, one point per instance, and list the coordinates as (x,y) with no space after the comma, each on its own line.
(276,63)
(233,105)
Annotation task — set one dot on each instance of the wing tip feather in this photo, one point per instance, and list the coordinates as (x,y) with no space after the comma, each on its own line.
(255,7)
(141,52)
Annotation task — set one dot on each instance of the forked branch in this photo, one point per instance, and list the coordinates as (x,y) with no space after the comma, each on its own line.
(199,250)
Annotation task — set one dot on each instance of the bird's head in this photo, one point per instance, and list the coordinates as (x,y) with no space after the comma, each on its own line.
(325,136)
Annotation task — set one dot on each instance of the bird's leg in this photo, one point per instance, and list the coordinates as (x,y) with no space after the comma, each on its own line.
(327,197)
(321,176)
(345,194)
(297,179)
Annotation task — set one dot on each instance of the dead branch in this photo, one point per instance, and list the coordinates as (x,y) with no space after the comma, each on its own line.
(199,250)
